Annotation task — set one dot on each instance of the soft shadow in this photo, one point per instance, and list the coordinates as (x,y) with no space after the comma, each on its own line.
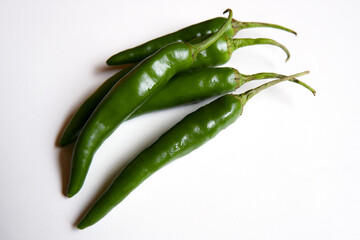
(65,123)
(65,153)
(64,165)
(104,68)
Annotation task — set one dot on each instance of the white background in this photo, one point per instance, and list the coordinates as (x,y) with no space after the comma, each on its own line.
(287,169)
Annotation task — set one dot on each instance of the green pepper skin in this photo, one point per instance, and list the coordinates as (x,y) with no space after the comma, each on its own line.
(190,133)
(122,100)
(140,52)
(191,88)
(80,117)
(217,54)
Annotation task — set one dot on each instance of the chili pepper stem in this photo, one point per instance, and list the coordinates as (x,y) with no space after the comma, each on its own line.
(238,25)
(243,42)
(213,38)
(244,97)
(304,85)
(243,78)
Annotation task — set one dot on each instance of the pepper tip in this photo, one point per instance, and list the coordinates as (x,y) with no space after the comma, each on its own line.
(70,194)
(109,62)
(80,227)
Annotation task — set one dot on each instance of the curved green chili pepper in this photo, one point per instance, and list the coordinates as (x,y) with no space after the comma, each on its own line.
(147,78)
(140,52)
(188,134)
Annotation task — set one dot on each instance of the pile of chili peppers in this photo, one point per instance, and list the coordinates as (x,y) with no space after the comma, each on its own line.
(169,71)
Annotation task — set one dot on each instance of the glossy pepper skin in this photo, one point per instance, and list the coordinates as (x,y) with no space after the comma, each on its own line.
(136,54)
(73,128)
(147,78)
(190,133)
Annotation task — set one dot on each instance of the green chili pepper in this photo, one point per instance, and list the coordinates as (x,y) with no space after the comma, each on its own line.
(202,84)
(188,134)
(140,52)
(147,78)
(217,54)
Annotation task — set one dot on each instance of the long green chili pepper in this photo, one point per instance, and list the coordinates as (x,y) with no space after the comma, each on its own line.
(203,84)
(147,78)
(140,52)
(188,134)
(183,89)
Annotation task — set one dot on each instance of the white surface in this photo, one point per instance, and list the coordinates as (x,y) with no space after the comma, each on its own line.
(287,169)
